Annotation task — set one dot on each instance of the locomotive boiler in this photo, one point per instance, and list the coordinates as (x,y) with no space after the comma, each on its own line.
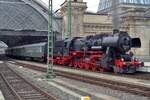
(99,52)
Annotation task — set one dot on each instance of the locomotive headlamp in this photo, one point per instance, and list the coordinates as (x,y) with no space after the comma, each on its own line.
(122,59)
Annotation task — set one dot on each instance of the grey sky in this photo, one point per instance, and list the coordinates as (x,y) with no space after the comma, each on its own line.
(92,4)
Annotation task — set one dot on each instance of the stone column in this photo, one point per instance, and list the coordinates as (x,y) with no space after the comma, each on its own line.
(78,8)
(134,19)
(137,28)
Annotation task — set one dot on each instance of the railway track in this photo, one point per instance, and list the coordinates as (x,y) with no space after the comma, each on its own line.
(137,75)
(126,87)
(21,88)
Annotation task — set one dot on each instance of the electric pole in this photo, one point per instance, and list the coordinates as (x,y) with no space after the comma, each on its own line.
(50,43)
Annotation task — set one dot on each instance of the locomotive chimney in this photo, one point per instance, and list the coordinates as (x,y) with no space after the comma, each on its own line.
(115,31)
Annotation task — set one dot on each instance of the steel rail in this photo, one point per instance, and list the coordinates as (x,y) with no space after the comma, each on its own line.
(18,81)
(126,87)
(34,86)
(10,87)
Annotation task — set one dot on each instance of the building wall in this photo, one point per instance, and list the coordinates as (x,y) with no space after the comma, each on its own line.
(97,18)
(138,27)
(140,30)
(77,14)
(98,23)
(134,22)
(94,24)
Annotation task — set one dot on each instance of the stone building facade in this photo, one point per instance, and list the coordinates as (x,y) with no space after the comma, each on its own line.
(78,8)
(139,26)
(95,23)
(133,19)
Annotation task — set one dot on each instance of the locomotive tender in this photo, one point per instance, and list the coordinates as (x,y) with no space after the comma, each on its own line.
(98,52)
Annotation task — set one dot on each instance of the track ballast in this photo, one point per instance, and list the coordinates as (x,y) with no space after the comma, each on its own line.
(20,88)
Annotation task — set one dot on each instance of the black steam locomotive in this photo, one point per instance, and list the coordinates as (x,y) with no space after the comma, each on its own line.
(102,52)
(99,52)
